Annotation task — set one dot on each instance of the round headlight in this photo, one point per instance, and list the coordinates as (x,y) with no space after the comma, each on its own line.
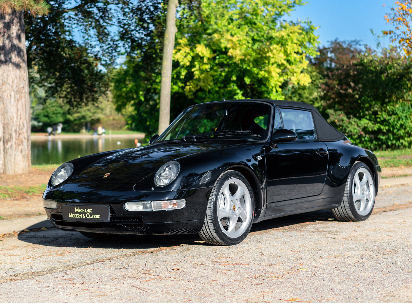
(167,173)
(61,174)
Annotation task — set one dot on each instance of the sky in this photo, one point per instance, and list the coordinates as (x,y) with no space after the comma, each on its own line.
(347,19)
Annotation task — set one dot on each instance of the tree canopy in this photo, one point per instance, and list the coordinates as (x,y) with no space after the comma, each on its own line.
(400,17)
(224,49)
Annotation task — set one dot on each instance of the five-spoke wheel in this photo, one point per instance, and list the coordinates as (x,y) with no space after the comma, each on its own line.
(230,210)
(359,198)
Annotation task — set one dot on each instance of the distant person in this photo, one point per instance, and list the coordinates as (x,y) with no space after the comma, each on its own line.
(95,131)
(49,130)
(103,131)
(54,129)
(99,130)
(59,128)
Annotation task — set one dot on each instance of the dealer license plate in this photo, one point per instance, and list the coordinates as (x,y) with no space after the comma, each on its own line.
(95,213)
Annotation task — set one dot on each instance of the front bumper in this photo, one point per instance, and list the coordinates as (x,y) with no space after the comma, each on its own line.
(187,220)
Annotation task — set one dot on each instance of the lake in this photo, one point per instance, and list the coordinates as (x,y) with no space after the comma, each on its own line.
(55,150)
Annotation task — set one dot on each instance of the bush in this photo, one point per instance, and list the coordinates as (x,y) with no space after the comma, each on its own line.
(370,100)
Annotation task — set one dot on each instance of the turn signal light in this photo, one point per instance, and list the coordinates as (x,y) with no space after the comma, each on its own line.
(50,204)
(155,205)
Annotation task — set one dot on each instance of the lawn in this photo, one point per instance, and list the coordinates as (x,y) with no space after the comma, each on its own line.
(21,192)
(395,158)
(46,168)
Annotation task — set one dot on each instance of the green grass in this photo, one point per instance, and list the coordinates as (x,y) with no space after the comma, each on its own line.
(46,168)
(19,192)
(394,153)
(391,158)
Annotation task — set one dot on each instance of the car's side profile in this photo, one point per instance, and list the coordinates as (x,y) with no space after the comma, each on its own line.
(216,170)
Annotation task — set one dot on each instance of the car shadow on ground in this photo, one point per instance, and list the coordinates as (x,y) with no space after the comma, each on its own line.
(57,238)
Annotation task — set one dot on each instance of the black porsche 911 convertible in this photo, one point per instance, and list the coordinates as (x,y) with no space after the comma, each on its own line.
(218,168)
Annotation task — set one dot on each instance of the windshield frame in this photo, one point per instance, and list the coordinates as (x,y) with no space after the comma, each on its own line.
(188,109)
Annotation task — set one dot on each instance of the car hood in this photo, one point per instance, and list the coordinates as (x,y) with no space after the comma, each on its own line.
(130,166)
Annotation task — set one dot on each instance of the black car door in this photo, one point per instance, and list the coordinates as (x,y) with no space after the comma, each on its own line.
(295,169)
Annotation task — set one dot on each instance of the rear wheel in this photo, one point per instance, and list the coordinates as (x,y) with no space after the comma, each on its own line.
(359,198)
(230,210)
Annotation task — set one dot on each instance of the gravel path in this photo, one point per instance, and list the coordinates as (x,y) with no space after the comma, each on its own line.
(308,257)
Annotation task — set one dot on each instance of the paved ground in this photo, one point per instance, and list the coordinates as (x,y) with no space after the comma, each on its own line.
(308,257)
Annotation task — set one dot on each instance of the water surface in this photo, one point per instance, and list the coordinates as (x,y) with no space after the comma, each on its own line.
(54,150)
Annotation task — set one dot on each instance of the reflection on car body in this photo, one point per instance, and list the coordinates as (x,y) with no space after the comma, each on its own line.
(217,169)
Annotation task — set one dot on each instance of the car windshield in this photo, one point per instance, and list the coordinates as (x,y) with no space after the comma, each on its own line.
(245,120)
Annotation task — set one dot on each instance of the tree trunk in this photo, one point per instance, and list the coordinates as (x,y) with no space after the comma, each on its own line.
(169,44)
(15,150)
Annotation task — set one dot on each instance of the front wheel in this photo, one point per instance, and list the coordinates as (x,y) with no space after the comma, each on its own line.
(229,213)
(359,198)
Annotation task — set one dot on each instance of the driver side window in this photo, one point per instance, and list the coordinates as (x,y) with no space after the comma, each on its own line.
(300,122)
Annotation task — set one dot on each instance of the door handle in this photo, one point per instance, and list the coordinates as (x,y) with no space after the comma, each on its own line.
(322,152)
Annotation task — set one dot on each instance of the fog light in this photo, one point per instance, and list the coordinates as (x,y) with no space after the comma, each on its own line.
(138,206)
(169,205)
(49,204)
(155,205)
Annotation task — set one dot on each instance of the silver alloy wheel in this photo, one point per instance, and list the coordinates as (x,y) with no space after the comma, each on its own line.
(363,191)
(234,211)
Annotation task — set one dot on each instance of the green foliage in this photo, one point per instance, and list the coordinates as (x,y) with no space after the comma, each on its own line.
(70,68)
(370,100)
(33,7)
(311,93)
(74,120)
(52,113)
(224,49)
(241,49)
(136,84)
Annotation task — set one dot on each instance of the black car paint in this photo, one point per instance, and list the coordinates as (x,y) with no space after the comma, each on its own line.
(132,179)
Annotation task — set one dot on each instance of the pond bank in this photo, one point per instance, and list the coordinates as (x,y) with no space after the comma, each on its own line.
(44,136)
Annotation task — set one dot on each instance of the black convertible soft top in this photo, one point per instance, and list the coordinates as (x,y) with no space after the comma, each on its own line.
(324,130)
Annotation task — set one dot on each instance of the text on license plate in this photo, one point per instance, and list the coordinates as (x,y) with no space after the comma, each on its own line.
(94,213)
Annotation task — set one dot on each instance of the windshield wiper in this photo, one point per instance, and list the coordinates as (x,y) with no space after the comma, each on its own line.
(235,132)
(196,137)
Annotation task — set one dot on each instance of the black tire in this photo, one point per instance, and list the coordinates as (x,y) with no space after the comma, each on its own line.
(233,229)
(349,209)
(99,236)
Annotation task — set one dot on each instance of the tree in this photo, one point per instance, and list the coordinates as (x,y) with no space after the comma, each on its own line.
(169,43)
(242,49)
(400,17)
(66,68)
(370,100)
(15,151)
(231,49)
(336,55)
(136,83)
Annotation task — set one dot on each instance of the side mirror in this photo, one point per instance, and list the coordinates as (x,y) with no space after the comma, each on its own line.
(283,135)
(153,139)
